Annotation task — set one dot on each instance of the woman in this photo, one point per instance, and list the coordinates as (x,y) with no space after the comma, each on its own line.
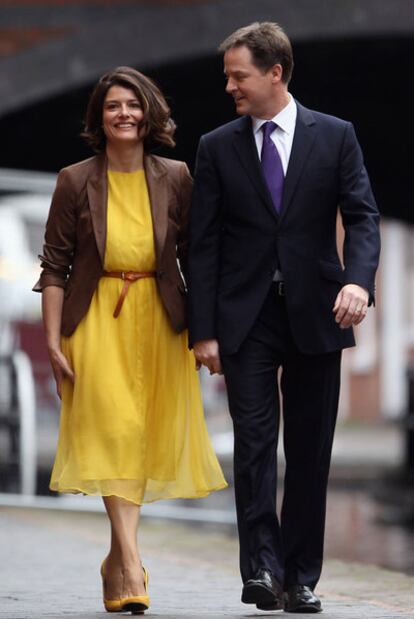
(132,428)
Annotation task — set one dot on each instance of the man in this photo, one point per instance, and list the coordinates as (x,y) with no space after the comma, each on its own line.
(267,290)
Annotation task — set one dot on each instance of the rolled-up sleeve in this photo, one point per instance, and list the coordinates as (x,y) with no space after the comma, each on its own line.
(60,235)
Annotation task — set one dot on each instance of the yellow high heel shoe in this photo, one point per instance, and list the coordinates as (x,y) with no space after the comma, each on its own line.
(111,606)
(137,603)
(133,604)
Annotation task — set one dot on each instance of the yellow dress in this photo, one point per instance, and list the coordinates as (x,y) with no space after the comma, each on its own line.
(132,424)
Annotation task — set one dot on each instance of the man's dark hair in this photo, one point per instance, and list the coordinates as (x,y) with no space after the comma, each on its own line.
(268,44)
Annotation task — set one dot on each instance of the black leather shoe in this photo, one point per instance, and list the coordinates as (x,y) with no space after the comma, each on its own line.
(301,599)
(275,606)
(263,590)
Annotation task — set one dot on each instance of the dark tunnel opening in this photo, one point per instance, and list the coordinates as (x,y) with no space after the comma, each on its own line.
(365,81)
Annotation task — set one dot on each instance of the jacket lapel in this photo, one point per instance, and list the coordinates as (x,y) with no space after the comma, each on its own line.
(97,190)
(246,150)
(303,139)
(155,169)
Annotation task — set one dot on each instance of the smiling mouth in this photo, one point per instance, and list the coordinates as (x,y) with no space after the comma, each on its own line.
(124,125)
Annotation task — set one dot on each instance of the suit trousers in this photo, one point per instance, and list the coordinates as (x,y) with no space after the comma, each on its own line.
(292,547)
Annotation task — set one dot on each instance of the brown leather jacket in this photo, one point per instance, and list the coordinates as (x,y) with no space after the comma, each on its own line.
(73,253)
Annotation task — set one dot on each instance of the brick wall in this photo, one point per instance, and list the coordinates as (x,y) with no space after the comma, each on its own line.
(14,40)
(102,2)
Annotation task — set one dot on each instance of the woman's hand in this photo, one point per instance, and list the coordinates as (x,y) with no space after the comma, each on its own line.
(61,369)
(52,303)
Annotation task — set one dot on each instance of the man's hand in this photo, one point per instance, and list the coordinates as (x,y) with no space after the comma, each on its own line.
(351,305)
(206,353)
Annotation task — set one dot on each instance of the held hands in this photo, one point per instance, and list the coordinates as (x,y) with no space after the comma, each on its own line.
(61,369)
(206,353)
(351,305)
(350,308)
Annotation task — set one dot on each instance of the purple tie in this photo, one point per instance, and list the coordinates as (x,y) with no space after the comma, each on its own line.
(272,165)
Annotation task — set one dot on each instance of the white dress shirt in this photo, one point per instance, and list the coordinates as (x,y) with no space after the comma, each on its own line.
(282,136)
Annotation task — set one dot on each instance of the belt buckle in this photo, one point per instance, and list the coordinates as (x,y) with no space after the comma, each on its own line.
(281,289)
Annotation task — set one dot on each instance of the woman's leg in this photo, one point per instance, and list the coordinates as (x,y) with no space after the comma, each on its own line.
(123,570)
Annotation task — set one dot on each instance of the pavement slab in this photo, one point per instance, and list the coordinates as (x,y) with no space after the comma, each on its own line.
(50,562)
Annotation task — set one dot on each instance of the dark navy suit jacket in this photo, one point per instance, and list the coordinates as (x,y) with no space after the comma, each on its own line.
(237,240)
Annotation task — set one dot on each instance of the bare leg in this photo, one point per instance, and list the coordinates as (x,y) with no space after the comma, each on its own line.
(124,576)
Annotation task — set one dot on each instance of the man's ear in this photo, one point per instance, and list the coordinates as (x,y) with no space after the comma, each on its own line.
(277,73)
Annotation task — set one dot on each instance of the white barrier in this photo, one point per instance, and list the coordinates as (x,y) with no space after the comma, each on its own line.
(394,319)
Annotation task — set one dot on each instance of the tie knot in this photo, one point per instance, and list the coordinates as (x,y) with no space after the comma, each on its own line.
(268,128)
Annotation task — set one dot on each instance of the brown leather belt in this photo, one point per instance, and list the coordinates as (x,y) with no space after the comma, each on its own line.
(129,277)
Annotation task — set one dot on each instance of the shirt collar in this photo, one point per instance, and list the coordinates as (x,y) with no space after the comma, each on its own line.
(285,119)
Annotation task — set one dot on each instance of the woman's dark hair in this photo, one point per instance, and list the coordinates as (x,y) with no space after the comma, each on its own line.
(157,124)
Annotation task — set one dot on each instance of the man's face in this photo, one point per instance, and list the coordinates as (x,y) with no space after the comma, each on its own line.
(251,88)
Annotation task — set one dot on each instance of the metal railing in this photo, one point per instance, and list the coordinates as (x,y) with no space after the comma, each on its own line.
(27,180)
(18,457)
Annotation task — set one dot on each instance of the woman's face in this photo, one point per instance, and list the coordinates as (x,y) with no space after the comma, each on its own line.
(122,115)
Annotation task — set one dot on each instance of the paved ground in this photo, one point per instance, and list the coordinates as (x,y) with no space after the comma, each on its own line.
(50,561)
